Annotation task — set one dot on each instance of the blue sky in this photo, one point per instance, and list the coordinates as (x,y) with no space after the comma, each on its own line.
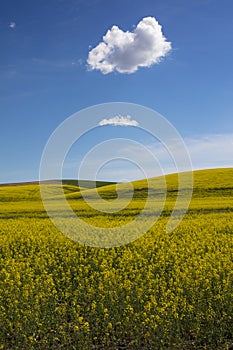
(45,79)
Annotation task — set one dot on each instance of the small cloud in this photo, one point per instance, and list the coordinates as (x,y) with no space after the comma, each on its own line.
(119,120)
(125,52)
(12,25)
(79,62)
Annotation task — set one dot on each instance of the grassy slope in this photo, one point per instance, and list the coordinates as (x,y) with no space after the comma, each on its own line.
(213,190)
(206,183)
(25,198)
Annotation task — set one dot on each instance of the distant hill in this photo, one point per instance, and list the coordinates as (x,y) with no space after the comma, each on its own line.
(207,183)
(30,191)
(78,183)
(87,183)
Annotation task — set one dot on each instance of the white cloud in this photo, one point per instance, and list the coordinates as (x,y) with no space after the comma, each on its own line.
(12,25)
(125,52)
(119,120)
(206,152)
(211,151)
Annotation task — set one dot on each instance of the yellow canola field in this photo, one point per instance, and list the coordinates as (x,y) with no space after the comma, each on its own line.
(162,291)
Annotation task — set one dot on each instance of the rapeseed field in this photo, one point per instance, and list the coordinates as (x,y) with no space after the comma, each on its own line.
(162,291)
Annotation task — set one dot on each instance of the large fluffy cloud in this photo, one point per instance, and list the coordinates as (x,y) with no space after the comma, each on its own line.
(125,52)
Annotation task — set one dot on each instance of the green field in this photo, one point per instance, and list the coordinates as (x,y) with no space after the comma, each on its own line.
(162,291)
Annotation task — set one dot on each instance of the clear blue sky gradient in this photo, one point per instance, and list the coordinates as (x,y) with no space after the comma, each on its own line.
(44,78)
